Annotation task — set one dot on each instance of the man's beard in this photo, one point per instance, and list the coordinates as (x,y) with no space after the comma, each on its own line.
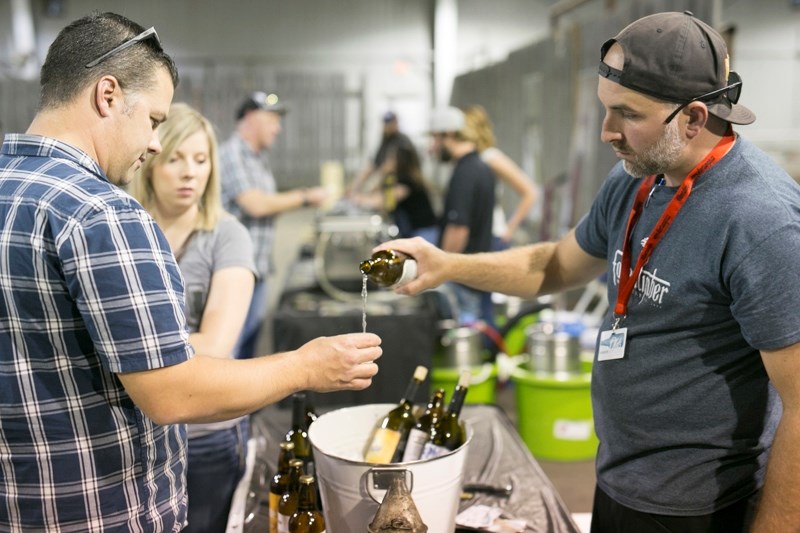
(658,158)
(444,155)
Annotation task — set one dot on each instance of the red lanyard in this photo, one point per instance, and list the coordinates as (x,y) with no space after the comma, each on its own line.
(627,279)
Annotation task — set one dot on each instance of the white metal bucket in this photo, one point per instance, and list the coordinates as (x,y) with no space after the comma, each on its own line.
(353,489)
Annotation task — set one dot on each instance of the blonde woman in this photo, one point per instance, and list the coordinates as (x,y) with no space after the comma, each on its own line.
(180,187)
(478,128)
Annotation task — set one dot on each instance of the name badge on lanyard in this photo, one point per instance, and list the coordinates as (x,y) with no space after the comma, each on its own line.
(613,341)
(612,344)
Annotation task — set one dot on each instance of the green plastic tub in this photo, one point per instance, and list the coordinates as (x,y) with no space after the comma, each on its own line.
(554,416)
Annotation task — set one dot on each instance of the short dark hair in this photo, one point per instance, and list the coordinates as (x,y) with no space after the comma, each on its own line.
(64,74)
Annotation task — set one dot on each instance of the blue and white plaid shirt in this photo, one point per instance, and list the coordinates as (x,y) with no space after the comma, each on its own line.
(88,289)
(242,169)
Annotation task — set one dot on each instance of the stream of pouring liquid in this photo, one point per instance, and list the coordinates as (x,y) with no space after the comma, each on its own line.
(364,305)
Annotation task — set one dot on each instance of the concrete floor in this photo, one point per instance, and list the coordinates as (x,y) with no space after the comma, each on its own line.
(574,481)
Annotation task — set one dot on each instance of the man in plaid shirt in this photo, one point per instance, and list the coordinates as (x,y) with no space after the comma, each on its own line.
(97,377)
(250,192)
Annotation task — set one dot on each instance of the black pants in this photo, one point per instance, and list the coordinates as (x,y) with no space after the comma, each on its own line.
(608,516)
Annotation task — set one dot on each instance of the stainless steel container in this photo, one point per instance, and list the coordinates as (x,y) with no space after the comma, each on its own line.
(462,347)
(553,352)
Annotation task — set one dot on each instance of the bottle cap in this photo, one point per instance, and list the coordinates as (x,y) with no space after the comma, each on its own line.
(420,373)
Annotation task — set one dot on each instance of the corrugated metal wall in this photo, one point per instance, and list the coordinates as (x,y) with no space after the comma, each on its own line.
(314,129)
(543,104)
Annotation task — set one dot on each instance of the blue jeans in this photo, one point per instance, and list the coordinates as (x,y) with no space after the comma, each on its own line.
(216,462)
(246,345)
(469,301)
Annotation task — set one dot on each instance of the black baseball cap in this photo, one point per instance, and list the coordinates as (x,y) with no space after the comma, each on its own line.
(263,101)
(679,58)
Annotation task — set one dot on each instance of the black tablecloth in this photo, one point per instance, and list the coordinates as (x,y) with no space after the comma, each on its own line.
(496,456)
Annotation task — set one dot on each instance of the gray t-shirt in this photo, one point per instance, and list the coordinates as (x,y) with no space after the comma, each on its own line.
(228,245)
(687,417)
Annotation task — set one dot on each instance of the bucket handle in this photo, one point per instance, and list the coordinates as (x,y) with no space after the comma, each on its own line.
(379,479)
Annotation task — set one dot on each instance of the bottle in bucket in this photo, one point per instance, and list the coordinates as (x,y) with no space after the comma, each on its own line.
(308,516)
(298,434)
(288,502)
(387,442)
(277,484)
(448,433)
(311,412)
(421,431)
(389,268)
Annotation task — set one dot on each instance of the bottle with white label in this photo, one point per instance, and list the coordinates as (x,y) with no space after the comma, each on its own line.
(389,268)
(421,432)
(388,439)
(448,433)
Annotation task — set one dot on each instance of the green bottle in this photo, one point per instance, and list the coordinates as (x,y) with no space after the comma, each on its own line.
(448,434)
(388,440)
(298,434)
(288,502)
(421,431)
(277,485)
(308,516)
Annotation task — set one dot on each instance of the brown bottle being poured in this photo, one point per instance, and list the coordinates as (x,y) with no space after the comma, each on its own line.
(389,268)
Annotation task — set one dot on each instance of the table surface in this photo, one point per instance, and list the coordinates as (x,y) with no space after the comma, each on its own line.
(496,456)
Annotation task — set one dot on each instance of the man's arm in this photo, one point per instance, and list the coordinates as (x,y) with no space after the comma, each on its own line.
(455,238)
(258,204)
(207,389)
(779,509)
(525,271)
(355,186)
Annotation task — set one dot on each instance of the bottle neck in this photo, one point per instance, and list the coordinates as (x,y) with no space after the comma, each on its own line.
(294,478)
(411,391)
(283,462)
(454,409)
(308,497)
(298,412)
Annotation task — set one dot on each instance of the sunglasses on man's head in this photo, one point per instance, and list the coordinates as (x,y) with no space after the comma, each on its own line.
(146,34)
(732,92)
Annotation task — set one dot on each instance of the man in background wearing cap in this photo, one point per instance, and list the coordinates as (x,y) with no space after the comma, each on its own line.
(694,383)
(249,191)
(466,223)
(391,139)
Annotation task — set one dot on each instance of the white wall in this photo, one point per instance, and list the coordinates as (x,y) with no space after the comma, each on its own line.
(766,52)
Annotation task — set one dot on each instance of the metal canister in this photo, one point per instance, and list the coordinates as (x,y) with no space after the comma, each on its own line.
(553,352)
(462,347)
